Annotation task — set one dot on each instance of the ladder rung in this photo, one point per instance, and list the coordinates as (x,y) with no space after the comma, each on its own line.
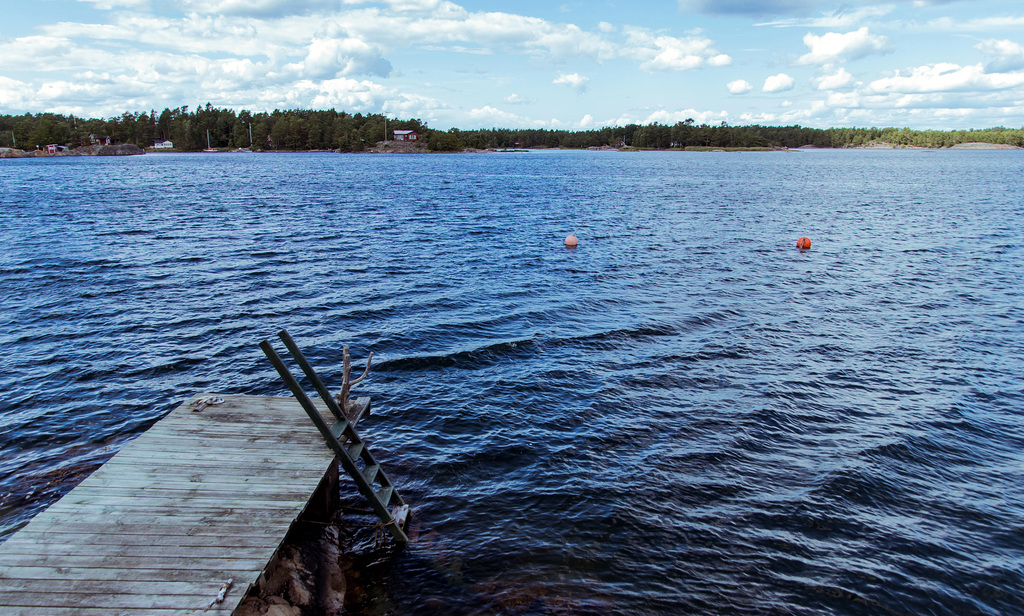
(339,428)
(370,472)
(343,433)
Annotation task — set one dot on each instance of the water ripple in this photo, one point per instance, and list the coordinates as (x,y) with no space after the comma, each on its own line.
(685,414)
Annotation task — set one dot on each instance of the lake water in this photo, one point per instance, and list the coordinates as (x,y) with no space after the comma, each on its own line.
(685,414)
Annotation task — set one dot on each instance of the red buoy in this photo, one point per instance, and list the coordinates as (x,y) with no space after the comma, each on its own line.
(571,241)
(804,243)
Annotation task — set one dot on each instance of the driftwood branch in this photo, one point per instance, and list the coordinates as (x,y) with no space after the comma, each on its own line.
(346,379)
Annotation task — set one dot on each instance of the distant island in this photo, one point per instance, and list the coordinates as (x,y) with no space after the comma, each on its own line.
(208,128)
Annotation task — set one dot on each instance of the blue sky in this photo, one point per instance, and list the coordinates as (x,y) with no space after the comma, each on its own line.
(925,64)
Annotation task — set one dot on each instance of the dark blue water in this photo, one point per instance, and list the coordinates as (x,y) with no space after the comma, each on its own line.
(685,414)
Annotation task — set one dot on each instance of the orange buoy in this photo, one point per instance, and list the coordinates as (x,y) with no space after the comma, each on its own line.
(804,243)
(571,241)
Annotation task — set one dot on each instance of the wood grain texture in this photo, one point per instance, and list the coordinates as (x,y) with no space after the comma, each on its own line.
(198,499)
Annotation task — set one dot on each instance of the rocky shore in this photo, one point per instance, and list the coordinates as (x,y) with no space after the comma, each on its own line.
(973,145)
(89,150)
(307,578)
(977,145)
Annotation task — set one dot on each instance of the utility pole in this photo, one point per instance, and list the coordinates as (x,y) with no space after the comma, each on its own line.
(385,128)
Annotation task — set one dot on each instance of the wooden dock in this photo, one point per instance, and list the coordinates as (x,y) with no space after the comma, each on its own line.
(201,498)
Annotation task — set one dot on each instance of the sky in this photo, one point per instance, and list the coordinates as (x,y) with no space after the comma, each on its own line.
(922,64)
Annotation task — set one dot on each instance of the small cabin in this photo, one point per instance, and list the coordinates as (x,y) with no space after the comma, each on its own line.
(51,148)
(163,145)
(406,135)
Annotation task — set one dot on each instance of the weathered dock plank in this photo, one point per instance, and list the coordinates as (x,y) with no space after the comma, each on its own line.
(199,499)
(16,561)
(114,575)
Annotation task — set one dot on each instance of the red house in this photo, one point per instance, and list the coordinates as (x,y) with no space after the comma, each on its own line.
(406,135)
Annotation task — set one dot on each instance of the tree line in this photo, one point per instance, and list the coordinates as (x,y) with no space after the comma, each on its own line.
(305,130)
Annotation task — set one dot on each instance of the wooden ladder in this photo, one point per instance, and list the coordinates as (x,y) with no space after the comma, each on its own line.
(341,436)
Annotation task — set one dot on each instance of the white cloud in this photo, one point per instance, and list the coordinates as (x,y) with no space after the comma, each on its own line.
(328,58)
(435,6)
(348,94)
(447,26)
(339,93)
(44,53)
(739,86)
(406,105)
(493,32)
(1009,55)
(945,77)
(664,116)
(251,8)
(669,53)
(108,5)
(574,80)
(794,115)
(490,117)
(275,42)
(841,18)
(981,24)
(835,47)
(195,34)
(778,83)
(77,91)
(261,54)
(14,94)
(836,81)
(747,8)
(845,99)
(562,42)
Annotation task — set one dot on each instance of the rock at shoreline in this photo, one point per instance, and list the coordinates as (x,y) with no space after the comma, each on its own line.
(16,153)
(977,145)
(108,150)
(90,150)
(399,147)
(306,579)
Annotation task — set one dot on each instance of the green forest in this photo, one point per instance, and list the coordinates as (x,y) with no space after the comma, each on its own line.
(305,130)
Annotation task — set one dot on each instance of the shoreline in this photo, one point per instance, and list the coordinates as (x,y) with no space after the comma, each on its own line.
(380,148)
(89,150)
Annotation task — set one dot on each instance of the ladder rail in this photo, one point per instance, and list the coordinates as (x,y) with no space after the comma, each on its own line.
(303,399)
(342,454)
(311,374)
(337,411)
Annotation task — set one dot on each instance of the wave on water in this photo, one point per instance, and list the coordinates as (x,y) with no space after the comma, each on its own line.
(684,414)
